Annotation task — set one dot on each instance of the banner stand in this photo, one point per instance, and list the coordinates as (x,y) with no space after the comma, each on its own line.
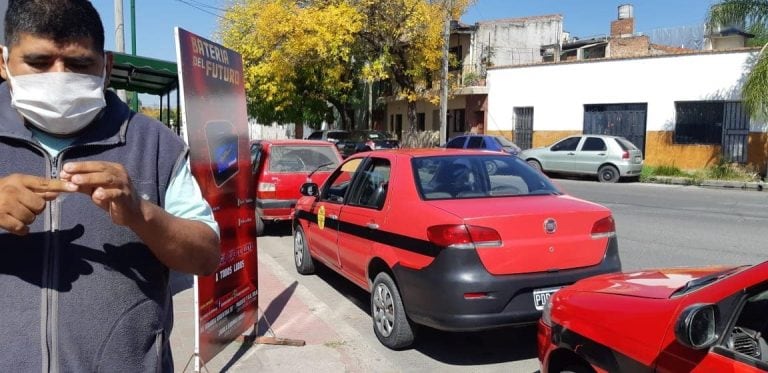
(273,339)
(198,361)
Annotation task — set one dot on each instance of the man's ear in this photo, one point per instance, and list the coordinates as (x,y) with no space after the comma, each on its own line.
(3,72)
(108,60)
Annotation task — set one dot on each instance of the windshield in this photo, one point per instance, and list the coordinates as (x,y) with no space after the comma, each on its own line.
(478,176)
(296,158)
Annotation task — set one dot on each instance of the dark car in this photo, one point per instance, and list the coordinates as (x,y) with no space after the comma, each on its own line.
(487,142)
(367,140)
(333,136)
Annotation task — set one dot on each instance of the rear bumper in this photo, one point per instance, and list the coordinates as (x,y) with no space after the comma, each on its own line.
(434,295)
(632,169)
(275,209)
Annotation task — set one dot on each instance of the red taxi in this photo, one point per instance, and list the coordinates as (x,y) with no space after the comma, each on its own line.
(711,319)
(440,238)
(280,167)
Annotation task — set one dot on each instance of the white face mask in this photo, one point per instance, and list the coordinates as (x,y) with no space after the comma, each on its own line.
(59,103)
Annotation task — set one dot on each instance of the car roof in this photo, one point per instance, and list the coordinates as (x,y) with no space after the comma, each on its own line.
(293,142)
(429,152)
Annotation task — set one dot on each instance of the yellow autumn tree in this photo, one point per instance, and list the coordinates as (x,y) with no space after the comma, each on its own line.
(297,56)
(404,41)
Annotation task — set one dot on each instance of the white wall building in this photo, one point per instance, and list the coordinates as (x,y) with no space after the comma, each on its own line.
(561,96)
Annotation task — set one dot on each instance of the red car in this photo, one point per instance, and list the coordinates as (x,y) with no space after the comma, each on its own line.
(280,167)
(439,240)
(712,319)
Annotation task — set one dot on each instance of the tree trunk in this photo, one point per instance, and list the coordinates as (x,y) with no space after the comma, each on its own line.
(343,113)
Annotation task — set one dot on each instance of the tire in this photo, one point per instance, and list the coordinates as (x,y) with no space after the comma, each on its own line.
(390,324)
(608,174)
(301,257)
(259,226)
(576,368)
(535,164)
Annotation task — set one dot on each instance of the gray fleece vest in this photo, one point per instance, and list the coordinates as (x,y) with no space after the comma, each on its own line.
(79,293)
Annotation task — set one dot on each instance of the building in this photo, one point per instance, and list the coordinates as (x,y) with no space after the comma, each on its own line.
(474,49)
(680,106)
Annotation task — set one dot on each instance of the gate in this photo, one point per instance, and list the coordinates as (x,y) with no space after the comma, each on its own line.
(735,132)
(625,120)
(524,127)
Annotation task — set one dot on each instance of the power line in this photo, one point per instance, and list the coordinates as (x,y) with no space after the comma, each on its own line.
(201,8)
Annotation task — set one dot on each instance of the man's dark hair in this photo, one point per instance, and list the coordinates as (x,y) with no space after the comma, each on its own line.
(60,20)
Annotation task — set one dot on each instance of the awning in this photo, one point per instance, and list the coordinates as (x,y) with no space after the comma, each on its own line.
(143,74)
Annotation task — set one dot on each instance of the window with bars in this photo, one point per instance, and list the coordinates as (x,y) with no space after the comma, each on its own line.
(699,122)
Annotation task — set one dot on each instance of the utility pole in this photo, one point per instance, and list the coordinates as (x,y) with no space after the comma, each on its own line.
(119,37)
(444,73)
(135,95)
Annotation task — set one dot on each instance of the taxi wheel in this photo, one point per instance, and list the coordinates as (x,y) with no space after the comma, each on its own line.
(535,164)
(259,226)
(390,324)
(608,174)
(301,257)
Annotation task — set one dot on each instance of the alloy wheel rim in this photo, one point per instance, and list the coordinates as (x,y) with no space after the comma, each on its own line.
(298,249)
(383,310)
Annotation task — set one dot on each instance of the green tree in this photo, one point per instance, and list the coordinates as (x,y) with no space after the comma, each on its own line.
(754,15)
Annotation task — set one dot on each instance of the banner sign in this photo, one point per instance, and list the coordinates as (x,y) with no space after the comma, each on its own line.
(215,121)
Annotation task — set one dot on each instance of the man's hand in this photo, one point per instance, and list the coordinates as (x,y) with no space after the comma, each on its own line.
(23,197)
(109,186)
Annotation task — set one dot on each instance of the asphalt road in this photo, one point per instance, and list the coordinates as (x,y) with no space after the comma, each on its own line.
(657,225)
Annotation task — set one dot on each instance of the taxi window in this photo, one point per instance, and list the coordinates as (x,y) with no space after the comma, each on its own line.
(481,176)
(335,189)
(371,188)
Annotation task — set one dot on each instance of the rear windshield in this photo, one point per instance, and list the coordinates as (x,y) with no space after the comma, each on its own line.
(504,142)
(625,144)
(478,176)
(295,158)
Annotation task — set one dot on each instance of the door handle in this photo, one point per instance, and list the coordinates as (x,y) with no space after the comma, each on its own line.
(372,225)
(571,153)
(601,154)
(334,217)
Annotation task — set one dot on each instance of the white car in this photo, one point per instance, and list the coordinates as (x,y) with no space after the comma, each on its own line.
(607,157)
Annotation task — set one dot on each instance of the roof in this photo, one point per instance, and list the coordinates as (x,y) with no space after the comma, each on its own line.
(143,74)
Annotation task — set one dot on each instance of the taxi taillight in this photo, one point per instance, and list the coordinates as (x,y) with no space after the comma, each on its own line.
(463,236)
(603,228)
(265,190)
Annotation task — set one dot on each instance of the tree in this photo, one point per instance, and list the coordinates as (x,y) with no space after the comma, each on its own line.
(754,14)
(297,56)
(403,40)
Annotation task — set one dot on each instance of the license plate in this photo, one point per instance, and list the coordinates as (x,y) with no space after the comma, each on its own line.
(541,296)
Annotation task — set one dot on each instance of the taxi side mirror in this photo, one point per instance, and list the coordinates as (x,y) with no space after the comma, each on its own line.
(696,326)
(309,189)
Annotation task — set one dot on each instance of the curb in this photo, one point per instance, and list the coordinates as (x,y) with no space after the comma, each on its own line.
(718,184)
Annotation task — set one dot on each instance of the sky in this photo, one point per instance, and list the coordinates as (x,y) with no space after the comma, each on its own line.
(156,19)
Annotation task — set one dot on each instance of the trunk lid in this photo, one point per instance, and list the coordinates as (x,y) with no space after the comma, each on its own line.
(538,233)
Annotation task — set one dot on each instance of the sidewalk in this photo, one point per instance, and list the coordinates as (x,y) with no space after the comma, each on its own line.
(331,345)
(721,184)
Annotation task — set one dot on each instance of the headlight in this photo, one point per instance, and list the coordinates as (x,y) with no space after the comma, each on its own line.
(546,313)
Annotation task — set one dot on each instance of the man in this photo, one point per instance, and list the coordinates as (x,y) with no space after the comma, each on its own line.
(96,204)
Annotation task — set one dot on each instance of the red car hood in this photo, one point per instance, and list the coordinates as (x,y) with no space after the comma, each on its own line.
(653,283)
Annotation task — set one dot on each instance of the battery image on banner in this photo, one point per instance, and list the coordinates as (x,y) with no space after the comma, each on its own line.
(222,147)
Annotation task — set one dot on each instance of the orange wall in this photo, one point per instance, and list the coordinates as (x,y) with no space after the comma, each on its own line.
(758,151)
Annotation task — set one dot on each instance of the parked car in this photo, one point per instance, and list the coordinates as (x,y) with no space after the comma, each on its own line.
(607,157)
(438,241)
(280,167)
(711,319)
(367,140)
(487,142)
(333,136)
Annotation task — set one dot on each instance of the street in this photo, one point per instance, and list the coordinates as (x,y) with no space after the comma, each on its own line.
(657,225)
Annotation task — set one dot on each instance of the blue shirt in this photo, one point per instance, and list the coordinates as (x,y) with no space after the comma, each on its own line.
(183,197)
